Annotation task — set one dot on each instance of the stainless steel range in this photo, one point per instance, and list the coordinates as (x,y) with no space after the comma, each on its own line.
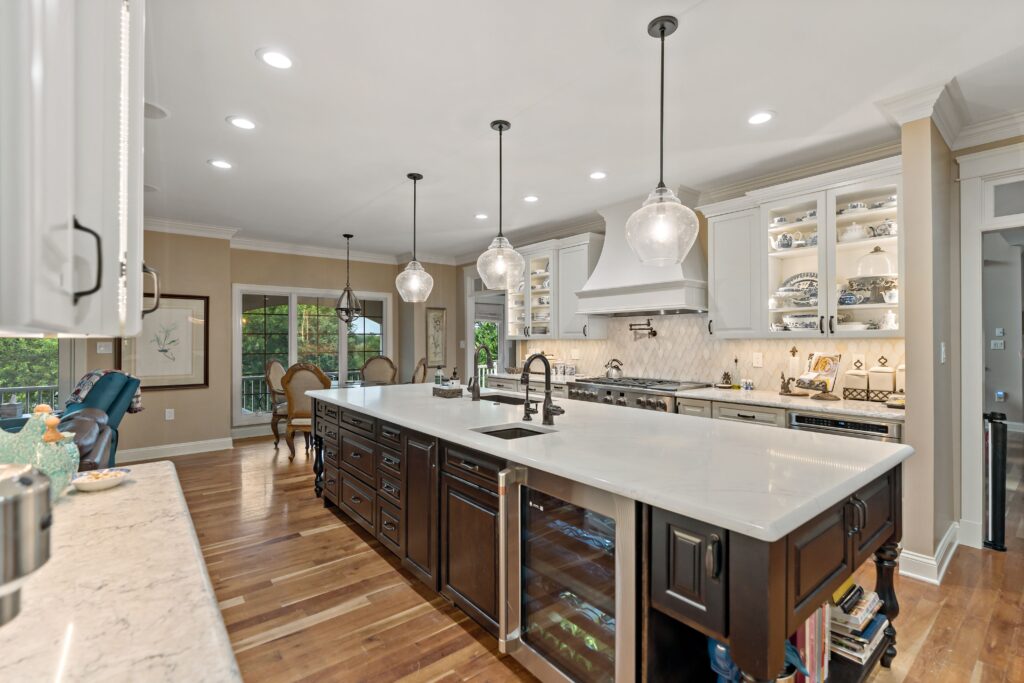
(631,392)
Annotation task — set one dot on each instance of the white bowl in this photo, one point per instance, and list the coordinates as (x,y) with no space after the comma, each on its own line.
(98,480)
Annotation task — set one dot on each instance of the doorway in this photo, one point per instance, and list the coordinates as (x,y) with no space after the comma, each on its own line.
(485,324)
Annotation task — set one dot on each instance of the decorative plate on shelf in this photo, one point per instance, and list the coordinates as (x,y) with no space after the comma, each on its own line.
(801,281)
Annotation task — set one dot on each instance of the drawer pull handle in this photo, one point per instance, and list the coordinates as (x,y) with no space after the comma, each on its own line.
(355,455)
(389,434)
(389,525)
(356,499)
(746,417)
(389,488)
(390,461)
(862,508)
(712,559)
(468,465)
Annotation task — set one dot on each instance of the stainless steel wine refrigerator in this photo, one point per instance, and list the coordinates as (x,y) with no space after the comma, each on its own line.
(568,578)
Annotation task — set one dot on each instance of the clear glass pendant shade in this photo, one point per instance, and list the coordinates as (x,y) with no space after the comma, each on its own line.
(348,307)
(414,283)
(500,266)
(663,230)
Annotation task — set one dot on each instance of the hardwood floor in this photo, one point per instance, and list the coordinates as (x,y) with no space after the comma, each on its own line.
(308,595)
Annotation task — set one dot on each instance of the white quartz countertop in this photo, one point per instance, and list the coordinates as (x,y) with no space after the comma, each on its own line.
(761,397)
(749,479)
(124,596)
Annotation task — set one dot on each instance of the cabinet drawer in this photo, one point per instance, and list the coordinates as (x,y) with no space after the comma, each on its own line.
(477,468)
(819,557)
(391,435)
(389,526)
(328,411)
(358,501)
(331,482)
(390,461)
(390,487)
(327,431)
(331,458)
(320,408)
(359,454)
(557,390)
(737,412)
(506,384)
(362,424)
(694,407)
(689,570)
(878,517)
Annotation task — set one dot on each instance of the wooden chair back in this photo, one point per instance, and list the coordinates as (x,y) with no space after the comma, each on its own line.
(299,379)
(379,369)
(273,373)
(419,373)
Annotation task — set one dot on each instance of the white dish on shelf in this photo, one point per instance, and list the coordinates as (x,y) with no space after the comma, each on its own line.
(778,220)
(852,327)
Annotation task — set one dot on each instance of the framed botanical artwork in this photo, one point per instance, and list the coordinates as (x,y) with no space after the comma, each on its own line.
(436,342)
(173,349)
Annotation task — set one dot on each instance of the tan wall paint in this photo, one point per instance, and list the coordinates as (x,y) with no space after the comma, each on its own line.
(929,477)
(187,265)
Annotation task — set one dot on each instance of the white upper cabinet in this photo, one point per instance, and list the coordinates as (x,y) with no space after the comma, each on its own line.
(576,260)
(734,275)
(71,119)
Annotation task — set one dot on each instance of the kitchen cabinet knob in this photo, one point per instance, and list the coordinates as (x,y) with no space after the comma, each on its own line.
(99,262)
(712,557)
(146,270)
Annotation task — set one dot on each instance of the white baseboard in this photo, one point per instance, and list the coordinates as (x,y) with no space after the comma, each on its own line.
(172,450)
(1015,426)
(927,568)
(248,431)
(970,534)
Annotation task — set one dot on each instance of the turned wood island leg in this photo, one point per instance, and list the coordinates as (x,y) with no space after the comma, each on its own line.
(885,569)
(318,466)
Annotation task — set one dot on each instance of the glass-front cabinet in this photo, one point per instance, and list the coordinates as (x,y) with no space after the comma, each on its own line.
(531,309)
(834,262)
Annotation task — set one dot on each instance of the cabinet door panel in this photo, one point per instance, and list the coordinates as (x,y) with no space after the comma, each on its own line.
(879,504)
(358,454)
(734,279)
(469,550)
(689,575)
(820,558)
(421,507)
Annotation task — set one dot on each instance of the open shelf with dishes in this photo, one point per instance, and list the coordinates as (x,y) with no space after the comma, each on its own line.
(531,307)
(793,244)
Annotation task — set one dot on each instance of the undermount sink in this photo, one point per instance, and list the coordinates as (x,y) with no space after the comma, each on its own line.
(513,431)
(510,400)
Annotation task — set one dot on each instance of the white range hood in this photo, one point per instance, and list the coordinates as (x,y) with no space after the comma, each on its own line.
(622,285)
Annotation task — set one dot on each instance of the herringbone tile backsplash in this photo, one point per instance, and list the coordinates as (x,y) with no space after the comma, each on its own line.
(684,350)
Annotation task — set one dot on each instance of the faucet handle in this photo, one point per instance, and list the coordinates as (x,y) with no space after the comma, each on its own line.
(554,409)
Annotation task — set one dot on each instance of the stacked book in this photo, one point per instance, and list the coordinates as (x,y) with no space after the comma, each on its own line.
(858,626)
(812,642)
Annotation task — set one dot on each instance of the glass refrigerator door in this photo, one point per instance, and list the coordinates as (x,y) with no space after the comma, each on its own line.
(568,585)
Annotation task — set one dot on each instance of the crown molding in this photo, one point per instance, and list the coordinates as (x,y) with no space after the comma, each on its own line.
(190,229)
(1000,128)
(716,195)
(272,247)
(941,102)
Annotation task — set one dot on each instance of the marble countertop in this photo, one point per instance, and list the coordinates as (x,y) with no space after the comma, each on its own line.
(761,397)
(124,596)
(755,481)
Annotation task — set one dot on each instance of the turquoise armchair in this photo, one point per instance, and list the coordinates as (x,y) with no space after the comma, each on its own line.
(113,395)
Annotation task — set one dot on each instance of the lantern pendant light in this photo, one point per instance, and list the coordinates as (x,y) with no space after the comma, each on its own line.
(662,231)
(501,266)
(414,283)
(348,307)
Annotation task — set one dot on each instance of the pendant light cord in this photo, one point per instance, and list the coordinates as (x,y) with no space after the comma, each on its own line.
(500,166)
(661,121)
(348,261)
(414,219)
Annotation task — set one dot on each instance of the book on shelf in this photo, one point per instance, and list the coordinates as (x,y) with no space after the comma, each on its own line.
(857,650)
(812,642)
(861,614)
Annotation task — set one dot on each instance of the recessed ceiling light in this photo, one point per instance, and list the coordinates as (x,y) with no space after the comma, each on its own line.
(273,58)
(219,163)
(481,216)
(598,175)
(761,117)
(240,122)
(531,198)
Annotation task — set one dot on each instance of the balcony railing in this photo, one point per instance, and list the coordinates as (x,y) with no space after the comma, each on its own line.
(29,397)
(256,395)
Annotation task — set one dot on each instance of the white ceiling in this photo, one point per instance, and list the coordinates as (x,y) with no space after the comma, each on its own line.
(381,89)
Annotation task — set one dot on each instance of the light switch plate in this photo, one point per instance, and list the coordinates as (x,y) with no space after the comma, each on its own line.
(574,354)
(758,359)
(942,353)
(1000,397)
(997,344)
(1000,332)
(168,414)
(104,347)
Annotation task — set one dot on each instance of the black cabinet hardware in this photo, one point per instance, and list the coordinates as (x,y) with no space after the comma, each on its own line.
(99,262)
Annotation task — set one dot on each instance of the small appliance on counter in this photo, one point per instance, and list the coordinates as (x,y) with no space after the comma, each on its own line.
(25,520)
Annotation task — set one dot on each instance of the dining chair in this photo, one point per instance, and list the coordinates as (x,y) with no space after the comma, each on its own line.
(299,379)
(419,373)
(379,370)
(273,373)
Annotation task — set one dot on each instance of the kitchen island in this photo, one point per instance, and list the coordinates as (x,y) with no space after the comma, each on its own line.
(743,531)
(124,596)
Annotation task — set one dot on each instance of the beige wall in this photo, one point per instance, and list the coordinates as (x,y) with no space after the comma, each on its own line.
(196,265)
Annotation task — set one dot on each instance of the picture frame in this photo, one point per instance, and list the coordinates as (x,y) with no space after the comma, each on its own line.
(173,349)
(437,333)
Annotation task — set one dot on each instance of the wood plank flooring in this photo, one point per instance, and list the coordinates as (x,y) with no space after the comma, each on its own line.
(307,595)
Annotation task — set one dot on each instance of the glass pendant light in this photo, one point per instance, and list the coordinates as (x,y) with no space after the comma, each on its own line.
(501,266)
(414,283)
(662,231)
(348,307)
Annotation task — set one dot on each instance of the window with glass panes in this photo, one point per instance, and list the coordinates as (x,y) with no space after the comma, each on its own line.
(264,338)
(317,333)
(365,336)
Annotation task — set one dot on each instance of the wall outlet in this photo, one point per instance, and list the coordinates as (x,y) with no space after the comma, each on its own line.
(462,343)
(168,414)
(1000,397)
(758,359)
(997,344)
(104,347)
(574,354)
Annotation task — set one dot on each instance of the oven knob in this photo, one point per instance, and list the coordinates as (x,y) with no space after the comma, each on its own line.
(620,401)
(651,403)
(607,399)
(592,395)
(662,405)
